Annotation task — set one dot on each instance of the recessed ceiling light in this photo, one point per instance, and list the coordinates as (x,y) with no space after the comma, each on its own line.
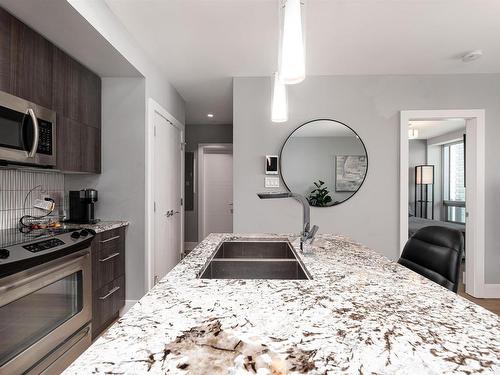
(210,115)
(473,55)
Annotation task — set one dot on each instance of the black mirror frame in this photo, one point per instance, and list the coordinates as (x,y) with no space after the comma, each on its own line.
(323,119)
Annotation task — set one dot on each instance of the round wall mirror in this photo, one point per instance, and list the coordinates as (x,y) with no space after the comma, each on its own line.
(325,161)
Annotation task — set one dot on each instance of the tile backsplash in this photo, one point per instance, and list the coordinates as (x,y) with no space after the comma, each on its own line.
(15,185)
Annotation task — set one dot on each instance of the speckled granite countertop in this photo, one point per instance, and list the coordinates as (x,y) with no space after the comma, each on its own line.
(361,314)
(101,226)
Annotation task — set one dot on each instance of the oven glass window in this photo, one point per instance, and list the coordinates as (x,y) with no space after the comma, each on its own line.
(26,320)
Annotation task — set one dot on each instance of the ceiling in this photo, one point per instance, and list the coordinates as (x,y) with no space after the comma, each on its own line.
(431,129)
(201,44)
(60,23)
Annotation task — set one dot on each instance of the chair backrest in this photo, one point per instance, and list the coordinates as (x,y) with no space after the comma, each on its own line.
(436,253)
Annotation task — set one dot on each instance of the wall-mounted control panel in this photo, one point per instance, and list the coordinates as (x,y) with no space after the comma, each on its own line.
(271,182)
(271,164)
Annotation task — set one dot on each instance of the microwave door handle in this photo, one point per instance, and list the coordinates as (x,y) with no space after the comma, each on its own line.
(36,133)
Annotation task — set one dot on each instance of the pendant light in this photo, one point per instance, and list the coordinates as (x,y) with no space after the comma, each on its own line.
(279,111)
(292,65)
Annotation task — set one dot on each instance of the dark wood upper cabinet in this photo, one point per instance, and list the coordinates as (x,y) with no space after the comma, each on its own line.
(90,98)
(77,100)
(90,153)
(36,70)
(69,144)
(76,90)
(5,20)
(65,85)
(31,64)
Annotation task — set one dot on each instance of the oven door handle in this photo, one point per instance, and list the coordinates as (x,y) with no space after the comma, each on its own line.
(24,278)
(36,133)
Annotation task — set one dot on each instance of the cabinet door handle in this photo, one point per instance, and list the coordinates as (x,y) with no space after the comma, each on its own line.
(110,257)
(110,239)
(115,289)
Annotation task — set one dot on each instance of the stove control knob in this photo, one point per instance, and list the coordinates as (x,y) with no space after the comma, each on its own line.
(84,233)
(4,253)
(75,235)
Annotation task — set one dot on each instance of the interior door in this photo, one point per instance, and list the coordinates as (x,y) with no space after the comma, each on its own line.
(167,196)
(174,217)
(218,192)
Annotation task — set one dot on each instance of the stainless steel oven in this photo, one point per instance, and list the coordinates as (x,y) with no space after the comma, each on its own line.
(45,314)
(27,132)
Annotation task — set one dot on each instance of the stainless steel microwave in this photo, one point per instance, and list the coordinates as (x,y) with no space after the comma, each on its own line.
(27,133)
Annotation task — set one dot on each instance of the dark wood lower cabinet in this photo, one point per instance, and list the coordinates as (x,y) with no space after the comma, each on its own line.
(107,304)
(108,278)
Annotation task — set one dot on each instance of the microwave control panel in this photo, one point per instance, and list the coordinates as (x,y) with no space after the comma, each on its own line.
(45,137)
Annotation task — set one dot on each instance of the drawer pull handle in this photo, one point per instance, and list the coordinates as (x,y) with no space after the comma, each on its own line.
(115,289)
(110,239)
(110,257)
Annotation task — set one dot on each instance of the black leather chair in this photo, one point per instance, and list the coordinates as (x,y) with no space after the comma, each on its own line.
(436,253)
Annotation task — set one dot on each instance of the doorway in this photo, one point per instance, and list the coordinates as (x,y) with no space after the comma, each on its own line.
(165,213)
(215,198)
(474,194)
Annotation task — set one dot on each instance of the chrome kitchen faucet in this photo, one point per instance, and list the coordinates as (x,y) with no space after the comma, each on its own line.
(308,233)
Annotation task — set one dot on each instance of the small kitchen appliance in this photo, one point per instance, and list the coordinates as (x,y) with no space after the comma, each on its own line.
(81,206)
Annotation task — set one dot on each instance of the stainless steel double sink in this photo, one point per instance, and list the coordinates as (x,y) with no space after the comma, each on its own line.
(255,259)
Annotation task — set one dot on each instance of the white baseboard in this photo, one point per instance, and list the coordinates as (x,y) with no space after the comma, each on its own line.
(188,246)
(128,304)
(491,291)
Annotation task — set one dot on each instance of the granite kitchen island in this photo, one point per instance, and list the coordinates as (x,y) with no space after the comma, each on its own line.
(359,314)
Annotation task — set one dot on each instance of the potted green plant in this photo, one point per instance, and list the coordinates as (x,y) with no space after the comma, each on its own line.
(320,196)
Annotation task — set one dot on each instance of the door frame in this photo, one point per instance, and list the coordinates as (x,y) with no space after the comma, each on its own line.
(154,108)
(475,181)
(222,148)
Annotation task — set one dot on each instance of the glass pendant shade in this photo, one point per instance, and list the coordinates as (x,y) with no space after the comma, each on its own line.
(292,58)
(279,111)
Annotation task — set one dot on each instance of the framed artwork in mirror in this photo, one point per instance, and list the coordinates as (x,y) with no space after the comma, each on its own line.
(350,171)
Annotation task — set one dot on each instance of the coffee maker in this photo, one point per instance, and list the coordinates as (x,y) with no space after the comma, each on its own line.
(81,206)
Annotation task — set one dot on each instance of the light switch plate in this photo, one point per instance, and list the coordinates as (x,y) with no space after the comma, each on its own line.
(271,182)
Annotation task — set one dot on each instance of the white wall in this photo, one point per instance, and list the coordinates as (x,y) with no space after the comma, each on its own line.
(371,105)
(121,184)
